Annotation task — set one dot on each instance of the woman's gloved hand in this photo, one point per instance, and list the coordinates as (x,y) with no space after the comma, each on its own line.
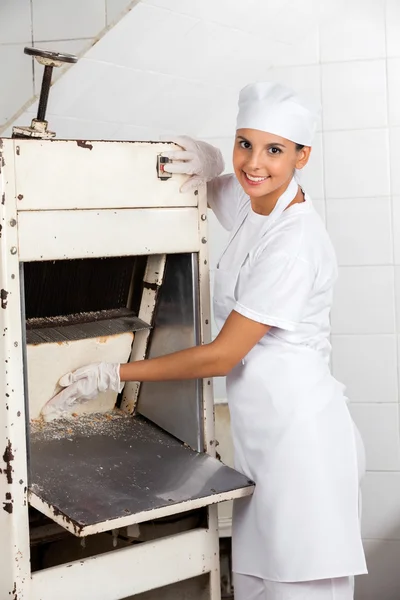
(83,384)
(198,159)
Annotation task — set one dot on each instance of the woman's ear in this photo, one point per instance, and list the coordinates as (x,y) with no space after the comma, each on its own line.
(303,157)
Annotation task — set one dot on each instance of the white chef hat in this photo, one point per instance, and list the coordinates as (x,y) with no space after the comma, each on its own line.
(274,108)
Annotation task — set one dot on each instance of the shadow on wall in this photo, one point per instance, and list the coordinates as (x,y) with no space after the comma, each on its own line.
(383,580)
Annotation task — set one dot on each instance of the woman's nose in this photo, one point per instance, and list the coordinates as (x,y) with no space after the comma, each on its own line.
(254,163)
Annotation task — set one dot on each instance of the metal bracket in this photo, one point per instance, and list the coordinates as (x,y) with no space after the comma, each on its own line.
(161,161)
(153,279)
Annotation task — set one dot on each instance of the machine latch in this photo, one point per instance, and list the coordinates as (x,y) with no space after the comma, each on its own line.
(161,174)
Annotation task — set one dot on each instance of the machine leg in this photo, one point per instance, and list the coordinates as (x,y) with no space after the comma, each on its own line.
(215,577)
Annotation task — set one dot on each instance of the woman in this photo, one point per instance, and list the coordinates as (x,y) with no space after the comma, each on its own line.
(298,537)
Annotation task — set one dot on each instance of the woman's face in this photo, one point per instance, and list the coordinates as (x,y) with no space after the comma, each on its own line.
(264,162)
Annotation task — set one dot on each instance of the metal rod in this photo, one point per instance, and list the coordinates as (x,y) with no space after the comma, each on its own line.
(44,92)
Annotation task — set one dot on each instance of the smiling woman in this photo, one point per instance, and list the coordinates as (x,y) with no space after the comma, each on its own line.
(264,163)
(298,536)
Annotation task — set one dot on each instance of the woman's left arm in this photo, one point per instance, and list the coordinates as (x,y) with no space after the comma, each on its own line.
(236,339)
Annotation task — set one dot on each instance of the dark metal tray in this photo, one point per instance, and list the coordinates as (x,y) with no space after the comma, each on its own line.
(101,472)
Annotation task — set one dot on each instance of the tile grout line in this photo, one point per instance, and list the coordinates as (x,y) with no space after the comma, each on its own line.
(392,209)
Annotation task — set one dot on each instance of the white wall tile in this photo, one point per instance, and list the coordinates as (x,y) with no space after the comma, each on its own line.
(67,46)
(360,229)
(381,501)
(65,20)
(379,428)
(303,52)
(67,128)
(306,80)
(158,41)
(225,144)
(110,94)
(16,70)
(115,8)
(364,301)
(393,65)
(320,206)
(70,95)
(352,30)
(291,22)
(354,95)
(15,22)
(240,56)
(393,27)
(383,581)
(357,163)
(237,15)
(396,228)
(397,289)
(185,99)
(136,133)
(312,176)
(355,363)
(395,160)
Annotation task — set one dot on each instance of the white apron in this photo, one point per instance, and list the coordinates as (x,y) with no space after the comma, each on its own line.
(293,435)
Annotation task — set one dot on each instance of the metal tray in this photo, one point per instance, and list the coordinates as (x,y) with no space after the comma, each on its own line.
(101,472)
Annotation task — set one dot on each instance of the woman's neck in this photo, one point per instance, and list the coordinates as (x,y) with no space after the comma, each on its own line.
(266,204)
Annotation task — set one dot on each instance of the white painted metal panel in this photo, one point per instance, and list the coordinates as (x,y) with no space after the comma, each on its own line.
(67,234)
(14,528)
(69,174)
(130,571)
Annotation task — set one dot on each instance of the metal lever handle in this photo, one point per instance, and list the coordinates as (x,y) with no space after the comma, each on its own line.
(38,128)
(49,60)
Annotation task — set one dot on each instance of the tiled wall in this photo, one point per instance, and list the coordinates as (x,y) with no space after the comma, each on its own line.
(175,66)
(62,26)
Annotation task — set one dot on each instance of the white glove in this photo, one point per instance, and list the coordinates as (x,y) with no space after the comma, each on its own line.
(83,384)
(198,159)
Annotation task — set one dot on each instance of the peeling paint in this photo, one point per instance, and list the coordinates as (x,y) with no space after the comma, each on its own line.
(84,144)
(8,504)
(3,298)
(3,198)
(77,527)
(8,457)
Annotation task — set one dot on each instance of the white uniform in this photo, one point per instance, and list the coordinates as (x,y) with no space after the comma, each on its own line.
(292,431)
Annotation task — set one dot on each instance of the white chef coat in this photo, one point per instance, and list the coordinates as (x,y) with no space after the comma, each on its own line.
(291,428)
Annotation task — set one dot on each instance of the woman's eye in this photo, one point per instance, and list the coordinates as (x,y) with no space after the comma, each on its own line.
(245,145)
(275,150)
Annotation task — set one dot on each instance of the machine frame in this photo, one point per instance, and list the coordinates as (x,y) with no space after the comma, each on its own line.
(62,200)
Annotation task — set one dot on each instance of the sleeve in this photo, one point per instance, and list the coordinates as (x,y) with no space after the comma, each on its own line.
(276,291)
(225,196)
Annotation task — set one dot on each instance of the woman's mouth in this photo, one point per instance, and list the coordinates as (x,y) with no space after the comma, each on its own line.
(253,179)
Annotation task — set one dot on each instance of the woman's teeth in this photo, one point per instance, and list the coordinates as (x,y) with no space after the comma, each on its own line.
(255,179)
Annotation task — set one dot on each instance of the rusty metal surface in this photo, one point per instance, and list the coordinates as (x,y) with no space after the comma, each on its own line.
(93,471)
(82,326)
